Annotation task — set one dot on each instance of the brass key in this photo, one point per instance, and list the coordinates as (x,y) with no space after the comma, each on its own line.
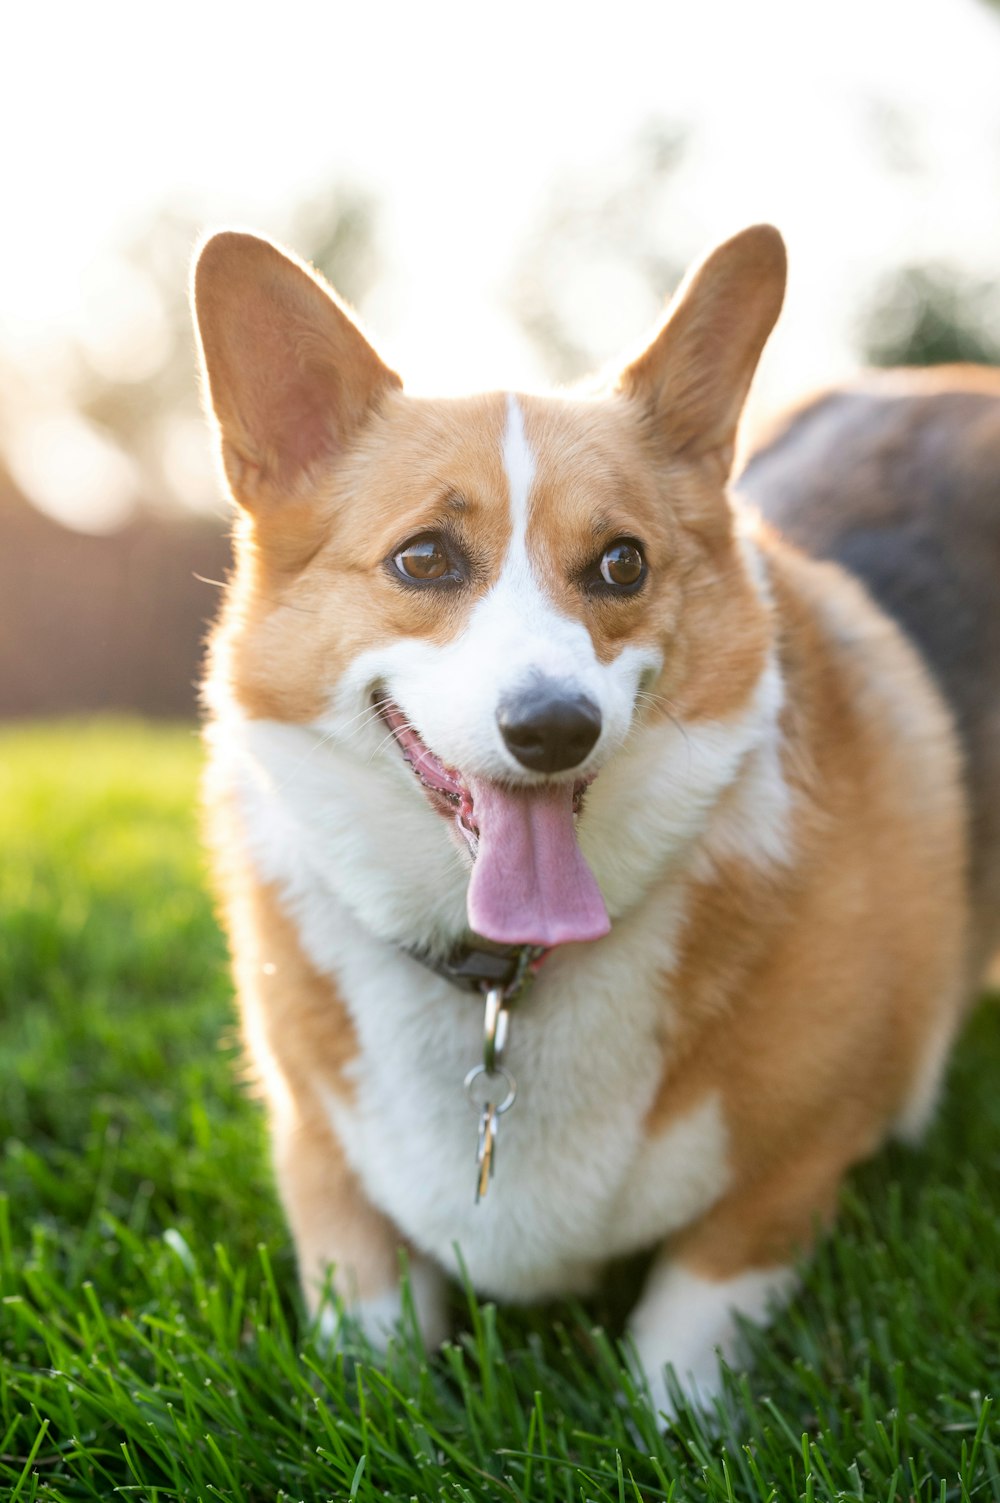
(486,1152)
(499,1088)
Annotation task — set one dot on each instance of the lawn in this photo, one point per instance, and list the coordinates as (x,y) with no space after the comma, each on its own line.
(152,1343)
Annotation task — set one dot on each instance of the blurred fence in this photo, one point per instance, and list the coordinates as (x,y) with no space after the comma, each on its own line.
(99,623)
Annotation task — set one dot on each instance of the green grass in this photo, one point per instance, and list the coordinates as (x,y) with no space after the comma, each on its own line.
(152,1343)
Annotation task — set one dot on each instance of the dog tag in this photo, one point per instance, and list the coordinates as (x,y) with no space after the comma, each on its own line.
(486,1152)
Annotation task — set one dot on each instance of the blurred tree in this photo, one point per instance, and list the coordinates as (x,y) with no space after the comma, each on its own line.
(595,270)
(133,367)
(117,409)
(931,315)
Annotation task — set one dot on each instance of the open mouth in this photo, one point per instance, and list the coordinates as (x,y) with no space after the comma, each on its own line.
(530,883)
(447,791)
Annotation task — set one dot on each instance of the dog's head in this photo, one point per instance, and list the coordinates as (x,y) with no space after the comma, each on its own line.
(499,591)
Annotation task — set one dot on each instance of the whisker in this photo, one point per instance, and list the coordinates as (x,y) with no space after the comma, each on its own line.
(366,716)
(652,698)
(328,736)
(286,605)
(634,729)
(281,605)
(391,736)
(670,710)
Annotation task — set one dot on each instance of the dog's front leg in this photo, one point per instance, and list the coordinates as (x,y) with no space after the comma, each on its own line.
(736,1263)
(343,1242)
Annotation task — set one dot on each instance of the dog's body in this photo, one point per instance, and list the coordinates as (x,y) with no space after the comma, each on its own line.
(897,478)
(705,772)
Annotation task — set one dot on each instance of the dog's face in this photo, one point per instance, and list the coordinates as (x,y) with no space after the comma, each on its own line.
(486,596)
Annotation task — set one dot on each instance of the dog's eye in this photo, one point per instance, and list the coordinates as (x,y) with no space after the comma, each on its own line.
(426,560)
(623,565)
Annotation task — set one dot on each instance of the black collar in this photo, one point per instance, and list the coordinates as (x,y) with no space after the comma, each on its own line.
(478,964)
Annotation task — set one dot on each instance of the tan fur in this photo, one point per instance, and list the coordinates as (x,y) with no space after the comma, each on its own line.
(807,995)
(298,1036)
(420,465)
(808,999)
(914,455)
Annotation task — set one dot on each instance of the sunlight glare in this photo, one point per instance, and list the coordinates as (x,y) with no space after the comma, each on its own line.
(73,473)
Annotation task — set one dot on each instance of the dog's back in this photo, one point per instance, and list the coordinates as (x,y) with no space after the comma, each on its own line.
(897,478)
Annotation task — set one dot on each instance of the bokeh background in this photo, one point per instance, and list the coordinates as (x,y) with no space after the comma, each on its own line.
(506,194)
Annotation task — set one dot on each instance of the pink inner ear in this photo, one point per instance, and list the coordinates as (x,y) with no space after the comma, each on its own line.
(291,414)
(301,424)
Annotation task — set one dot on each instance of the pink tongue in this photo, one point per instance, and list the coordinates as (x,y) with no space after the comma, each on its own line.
(530,884)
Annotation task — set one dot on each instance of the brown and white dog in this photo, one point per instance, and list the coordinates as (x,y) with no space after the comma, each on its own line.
(518,667)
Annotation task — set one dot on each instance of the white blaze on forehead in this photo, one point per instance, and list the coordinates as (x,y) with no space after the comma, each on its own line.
(517,626)
(519,467)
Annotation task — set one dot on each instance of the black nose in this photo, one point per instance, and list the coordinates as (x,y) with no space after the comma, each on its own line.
(547,729)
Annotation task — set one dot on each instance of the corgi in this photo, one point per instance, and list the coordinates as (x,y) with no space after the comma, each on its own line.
(598,866)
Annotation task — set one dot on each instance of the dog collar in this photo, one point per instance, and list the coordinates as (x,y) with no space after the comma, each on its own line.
(477,965)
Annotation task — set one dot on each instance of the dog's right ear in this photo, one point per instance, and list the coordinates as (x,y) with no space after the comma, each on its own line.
(290,376)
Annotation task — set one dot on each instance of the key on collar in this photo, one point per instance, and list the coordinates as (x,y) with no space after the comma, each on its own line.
(490,1088)
(486,1151)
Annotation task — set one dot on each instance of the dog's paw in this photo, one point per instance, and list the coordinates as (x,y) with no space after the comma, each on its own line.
(684,1323)
(372,1323)
(668,1393)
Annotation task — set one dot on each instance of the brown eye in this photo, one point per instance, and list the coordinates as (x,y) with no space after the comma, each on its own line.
(432,559)
(623,565)
(424,558)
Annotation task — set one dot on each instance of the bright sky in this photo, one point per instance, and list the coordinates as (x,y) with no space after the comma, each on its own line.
(462,118)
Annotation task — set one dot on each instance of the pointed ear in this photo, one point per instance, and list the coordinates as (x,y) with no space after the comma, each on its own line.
(290,376)
(693,379)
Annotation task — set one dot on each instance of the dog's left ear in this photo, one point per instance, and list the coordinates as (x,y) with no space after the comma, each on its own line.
(694,377)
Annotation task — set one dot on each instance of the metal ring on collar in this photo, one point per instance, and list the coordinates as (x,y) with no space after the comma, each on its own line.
(510,1086)
(495,1029)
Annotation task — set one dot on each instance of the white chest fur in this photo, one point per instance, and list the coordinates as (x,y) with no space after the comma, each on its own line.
(577,1179)
(574,1170)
